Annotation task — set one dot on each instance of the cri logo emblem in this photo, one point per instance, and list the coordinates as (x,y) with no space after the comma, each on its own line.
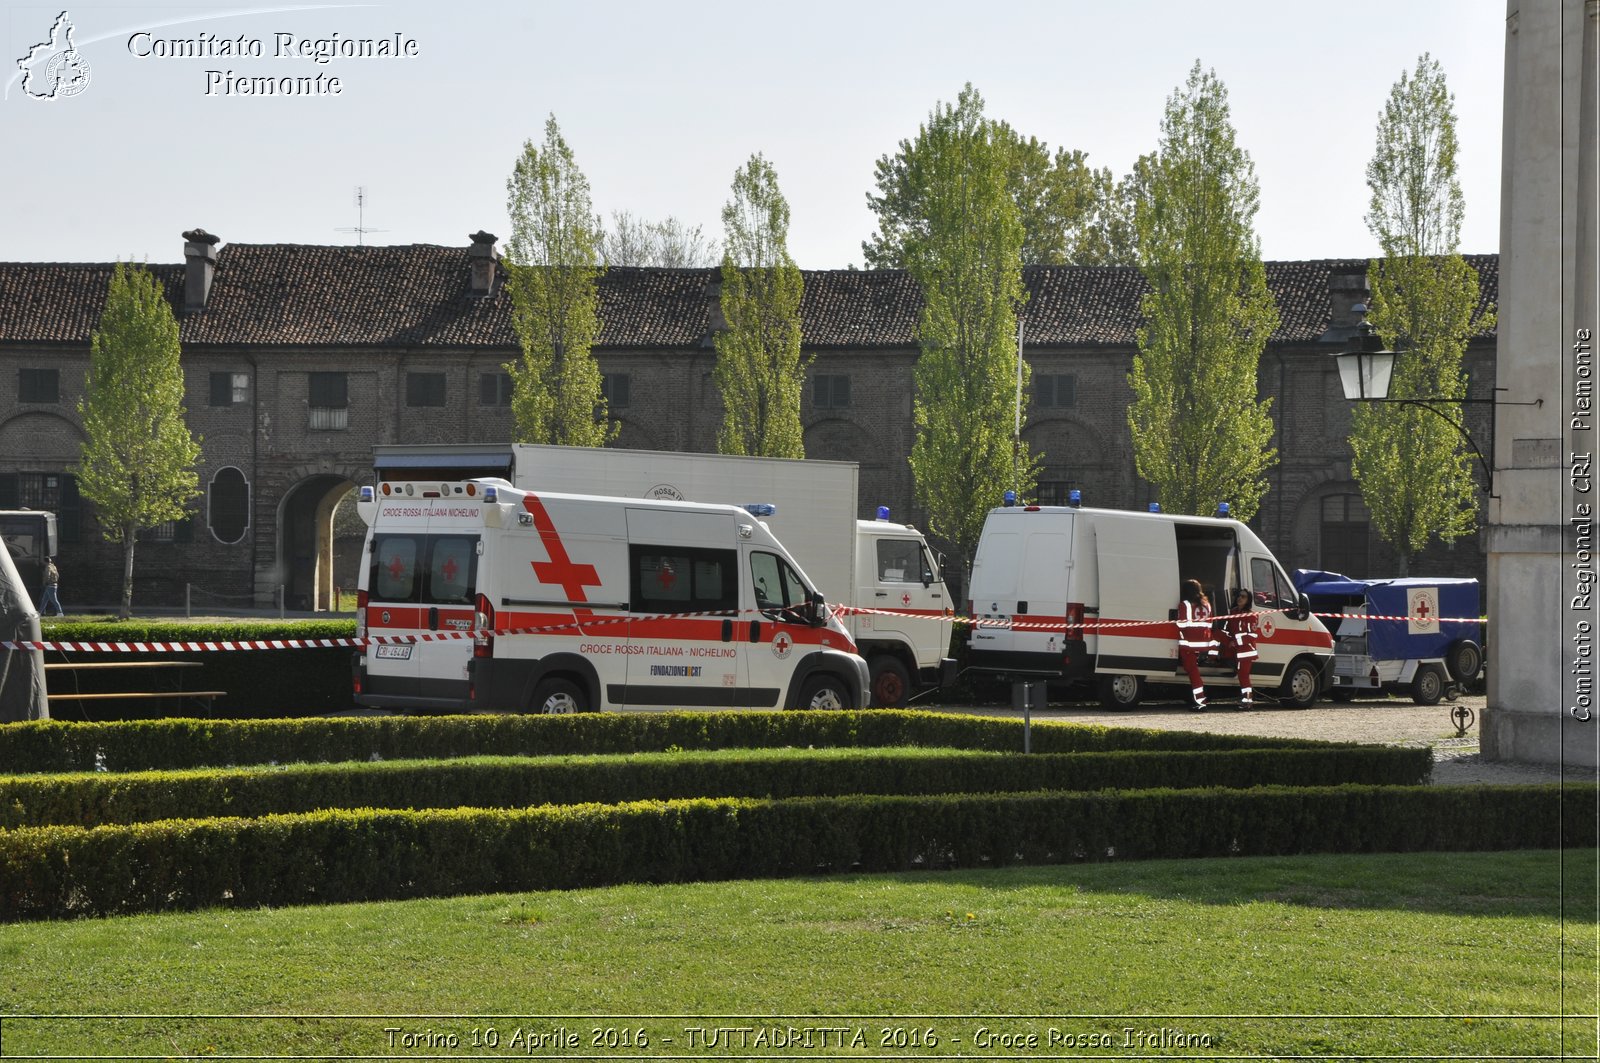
(781,645)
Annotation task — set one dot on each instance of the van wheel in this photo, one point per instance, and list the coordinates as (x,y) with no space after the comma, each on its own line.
(824,692)
(1427,687)
(1300,685)
(557,697)
(1121,691)
(891,682)
(1464,660)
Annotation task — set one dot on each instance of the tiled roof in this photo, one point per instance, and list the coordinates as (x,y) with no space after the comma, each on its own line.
(417,295)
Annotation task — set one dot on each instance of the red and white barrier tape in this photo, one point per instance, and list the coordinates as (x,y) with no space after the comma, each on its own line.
(1088,627)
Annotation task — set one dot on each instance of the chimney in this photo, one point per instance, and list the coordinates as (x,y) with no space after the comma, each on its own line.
(482,257)
(200,262)
(1347,289)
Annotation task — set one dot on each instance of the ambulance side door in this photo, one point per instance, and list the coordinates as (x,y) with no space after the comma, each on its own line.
(393,572)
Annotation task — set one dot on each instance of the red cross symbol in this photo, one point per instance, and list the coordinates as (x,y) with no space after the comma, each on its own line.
(450,569)
(905,599)
(560,569)
(1422,609)
(666,577)
(397,567)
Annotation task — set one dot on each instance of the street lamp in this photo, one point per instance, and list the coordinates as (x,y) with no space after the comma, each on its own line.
(1364,375)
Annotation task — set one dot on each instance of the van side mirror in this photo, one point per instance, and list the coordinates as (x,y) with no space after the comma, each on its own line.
(816,611)
(1302,609)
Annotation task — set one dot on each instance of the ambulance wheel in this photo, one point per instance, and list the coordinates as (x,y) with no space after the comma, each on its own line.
(1300,685)
(557,697)
(1121,691)
(1428,686)
(891,683)
(1464,659)
(824,692)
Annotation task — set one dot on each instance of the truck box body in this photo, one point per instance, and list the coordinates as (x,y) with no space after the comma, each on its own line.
(900,615)
(595,602)
(1088,594)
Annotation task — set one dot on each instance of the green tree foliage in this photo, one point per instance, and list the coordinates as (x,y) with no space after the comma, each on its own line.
(1414,475)
(553,266)
(138,461)
(965,251)
(1067,209)
(1200,434)
(759,370)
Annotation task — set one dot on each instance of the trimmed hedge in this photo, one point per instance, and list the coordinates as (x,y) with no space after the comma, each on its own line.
(340,856)
(56,746)
(260,683)
(102,798)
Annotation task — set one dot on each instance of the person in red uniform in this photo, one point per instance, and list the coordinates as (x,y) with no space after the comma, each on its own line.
(1240,629)
(1194,637)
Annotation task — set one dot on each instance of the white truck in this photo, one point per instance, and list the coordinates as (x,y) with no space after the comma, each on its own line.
(475,595)
(1077,594)
(884,576)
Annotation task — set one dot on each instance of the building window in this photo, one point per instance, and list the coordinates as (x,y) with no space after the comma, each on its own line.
(830,391)
(53,491)
(424,389)
(330,401)
(229,389)
(615,389)
(39,385)
(228,505)
(1055,390)
(494,389)
(1345,527)
(1054,492)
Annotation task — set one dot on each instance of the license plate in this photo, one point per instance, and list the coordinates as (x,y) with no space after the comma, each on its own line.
(394,653)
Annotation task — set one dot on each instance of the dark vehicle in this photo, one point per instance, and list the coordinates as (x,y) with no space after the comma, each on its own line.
(30,537)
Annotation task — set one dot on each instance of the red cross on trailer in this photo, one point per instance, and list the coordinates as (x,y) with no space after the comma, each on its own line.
(560,569)
(1422,609)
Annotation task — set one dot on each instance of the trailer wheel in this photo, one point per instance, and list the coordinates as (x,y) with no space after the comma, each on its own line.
(1121,691)
(1428,685)
(824,692)
(1464,659)
(557,697)
(1300,685)
(891,682)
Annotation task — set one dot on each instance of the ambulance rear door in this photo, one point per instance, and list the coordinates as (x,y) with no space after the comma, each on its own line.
(422,573)
(1138,569)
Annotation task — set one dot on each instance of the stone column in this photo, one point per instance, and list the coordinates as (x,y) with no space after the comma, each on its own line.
(1542,691)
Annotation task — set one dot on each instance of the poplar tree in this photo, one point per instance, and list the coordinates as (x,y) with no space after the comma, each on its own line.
(965,252)
(759,370)
(1200,434)
(553,266)
(1415,477)
(138,459)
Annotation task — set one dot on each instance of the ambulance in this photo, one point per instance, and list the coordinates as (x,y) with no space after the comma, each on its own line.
(477,595)
(1073,594)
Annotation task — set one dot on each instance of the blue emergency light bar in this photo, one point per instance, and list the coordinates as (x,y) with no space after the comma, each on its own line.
(883,512)
(1010,498)
(760,509)
(491,493)
(367,494)
(1222,509)
(1155,507)
(1075,498)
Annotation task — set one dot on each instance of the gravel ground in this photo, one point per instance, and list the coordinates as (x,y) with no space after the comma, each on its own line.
(1392,721)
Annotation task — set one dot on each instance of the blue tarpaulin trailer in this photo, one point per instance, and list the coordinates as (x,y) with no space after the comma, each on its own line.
(1418,634)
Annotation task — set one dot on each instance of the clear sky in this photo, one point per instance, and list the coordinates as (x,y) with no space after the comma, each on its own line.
(661,102)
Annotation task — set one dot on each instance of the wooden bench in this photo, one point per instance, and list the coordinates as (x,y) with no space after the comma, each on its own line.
(178,694)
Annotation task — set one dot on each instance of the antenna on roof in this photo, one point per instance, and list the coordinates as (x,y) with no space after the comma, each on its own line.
(360,227)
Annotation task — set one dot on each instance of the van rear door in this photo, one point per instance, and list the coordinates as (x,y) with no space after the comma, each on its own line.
(1138,569)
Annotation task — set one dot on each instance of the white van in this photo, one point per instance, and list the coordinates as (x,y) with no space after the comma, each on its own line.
(1091,594)
(581,602)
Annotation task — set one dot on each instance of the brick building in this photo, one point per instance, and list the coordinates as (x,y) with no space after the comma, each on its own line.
(298,359)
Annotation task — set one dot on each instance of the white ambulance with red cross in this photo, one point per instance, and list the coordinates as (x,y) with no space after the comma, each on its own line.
(476,595)
(1076,594)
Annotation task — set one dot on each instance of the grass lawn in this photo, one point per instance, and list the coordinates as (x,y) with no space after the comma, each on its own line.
(1401,955)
